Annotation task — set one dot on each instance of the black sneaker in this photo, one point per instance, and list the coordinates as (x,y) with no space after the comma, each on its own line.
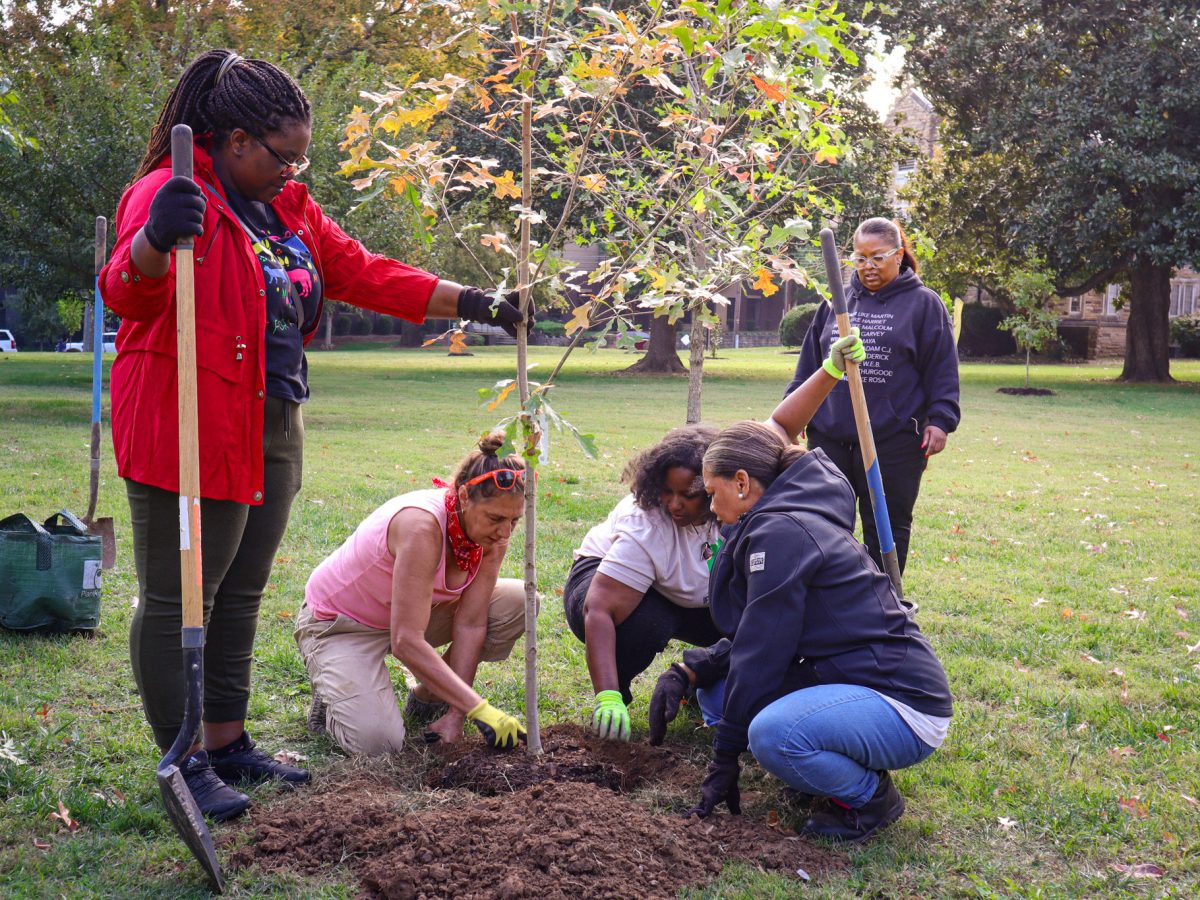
(216,799)
(316,714)
(423,712)
(841,823)
(244,763)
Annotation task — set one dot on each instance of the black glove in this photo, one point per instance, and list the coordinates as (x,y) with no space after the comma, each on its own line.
(669,692)
(176,211)
(476,305)
(721,784)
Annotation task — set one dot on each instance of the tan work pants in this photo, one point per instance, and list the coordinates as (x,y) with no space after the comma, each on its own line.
(346,662)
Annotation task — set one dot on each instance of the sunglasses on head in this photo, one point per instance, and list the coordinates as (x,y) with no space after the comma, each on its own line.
(505,479)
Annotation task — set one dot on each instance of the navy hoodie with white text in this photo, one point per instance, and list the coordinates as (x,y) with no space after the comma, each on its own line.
(910,375)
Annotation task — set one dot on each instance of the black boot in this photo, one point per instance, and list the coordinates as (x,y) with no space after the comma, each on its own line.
(423,712)
(216,799)
(841,823)
(242,762)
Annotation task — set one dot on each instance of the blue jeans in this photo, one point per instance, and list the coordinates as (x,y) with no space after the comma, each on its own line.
(831,740)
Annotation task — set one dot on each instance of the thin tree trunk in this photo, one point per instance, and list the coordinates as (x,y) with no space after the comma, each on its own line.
(1026,367)
(696,366)
(327,342)
(534,743)
(89,340)
(1148,334)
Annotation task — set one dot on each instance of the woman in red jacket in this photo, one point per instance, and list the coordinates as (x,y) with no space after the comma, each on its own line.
(266,259)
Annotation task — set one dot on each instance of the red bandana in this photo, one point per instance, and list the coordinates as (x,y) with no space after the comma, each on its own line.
(467,553)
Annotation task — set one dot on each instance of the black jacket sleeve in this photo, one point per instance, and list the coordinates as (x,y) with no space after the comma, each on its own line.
(939,369)
(812,354)
(779,560)
(709,664)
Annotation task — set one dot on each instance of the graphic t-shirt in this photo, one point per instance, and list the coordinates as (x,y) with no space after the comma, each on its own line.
(293,296)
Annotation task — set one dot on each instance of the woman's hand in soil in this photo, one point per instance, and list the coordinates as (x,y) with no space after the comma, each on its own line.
(500,730)
(448,728)
(669,692)
(720,786)
(610,719)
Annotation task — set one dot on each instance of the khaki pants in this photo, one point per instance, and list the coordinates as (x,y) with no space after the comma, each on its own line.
(346,661)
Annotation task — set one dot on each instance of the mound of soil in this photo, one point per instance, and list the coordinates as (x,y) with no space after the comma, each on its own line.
(569,753)
(1026,392)
(557,827)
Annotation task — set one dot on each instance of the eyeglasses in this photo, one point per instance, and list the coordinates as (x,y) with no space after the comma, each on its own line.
(504,479)
(289,168)
(861,262)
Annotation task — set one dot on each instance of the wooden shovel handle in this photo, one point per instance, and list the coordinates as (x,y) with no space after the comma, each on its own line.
(190,562)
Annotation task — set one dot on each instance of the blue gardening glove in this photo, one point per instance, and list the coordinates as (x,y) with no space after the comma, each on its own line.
(500,730)
(720,785)
(610,719)
(476,305)
(848,348)
(176,211)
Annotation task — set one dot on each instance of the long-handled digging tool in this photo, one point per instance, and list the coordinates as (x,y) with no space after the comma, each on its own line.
(181,806)
(102,527)
(862,419)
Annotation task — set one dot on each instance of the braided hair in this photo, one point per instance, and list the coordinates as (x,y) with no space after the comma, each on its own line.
(221,91)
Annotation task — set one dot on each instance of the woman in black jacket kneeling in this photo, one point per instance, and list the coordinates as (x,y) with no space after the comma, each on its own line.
(826,680)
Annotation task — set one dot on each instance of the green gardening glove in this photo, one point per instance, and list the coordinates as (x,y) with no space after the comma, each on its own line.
(848,348)
(610,719)
(500,730)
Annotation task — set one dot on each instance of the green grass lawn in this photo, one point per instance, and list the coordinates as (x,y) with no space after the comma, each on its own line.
(1054,558)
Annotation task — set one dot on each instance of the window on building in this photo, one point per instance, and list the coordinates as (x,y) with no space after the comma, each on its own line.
(1183,299)
(1075,305)
(1111,293)
(904,171)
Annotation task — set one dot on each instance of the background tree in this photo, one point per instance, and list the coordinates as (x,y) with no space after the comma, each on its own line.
(1093,104)
(1034,321)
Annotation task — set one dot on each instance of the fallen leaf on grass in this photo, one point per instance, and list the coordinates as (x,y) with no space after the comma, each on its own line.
(1182,613)
(1087,657)
(1134,614)
(64,816)
(1133,806)
(1183,635)
(284,614)
(957,529)
(1017,665)
(289,757)
(1082,726)
(8,751)
(1120,673)
(1141,870)
(1164,738)
(1038,602)
(1194,649)
(39,844)
(1192,800)
(1118,752)
(1006,823)
(1068,612)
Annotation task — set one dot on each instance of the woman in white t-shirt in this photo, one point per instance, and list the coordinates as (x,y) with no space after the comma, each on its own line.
(640,577)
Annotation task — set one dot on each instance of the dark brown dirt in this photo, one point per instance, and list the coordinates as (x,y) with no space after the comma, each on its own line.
(556,827)
(1026,392)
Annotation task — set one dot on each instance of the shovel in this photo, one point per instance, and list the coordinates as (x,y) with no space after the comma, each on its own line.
(103,527)
(862,418)
(181,806)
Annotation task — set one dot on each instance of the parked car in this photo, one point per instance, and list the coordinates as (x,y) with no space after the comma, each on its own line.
(8,343)
(110,344)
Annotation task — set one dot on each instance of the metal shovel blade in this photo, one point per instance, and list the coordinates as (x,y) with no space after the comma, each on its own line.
(189,822)
(108,541)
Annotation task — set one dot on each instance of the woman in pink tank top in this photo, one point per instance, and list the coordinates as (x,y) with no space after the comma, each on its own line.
(420,572)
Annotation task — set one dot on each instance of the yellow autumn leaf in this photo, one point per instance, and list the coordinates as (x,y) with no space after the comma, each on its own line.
(765,283)
(500,397)
(497,241)
(579,318)
(506,186)
(592,182)
(826,155)
(399,183)
(773,91)
(458,344)
(398,118)
(360,123)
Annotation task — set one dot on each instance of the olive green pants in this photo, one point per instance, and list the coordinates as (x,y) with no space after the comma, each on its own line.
(239,546)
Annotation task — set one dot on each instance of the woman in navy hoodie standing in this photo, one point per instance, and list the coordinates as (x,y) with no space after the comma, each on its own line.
(910,378)
(825,678)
